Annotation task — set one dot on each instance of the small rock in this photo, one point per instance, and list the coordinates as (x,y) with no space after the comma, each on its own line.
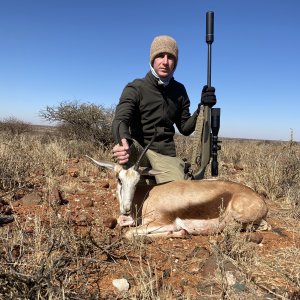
(104,184)
(5,219)
(240,287)
(31,199)
(85,203)
(255,237)
(5,209)
(121,284)
(56,197)
(3,202)
(166,273)
(231,280)
(178,291)
(83,220)
(111,223)
(73,172)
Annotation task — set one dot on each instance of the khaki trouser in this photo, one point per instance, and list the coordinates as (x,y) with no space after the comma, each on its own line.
(172,168)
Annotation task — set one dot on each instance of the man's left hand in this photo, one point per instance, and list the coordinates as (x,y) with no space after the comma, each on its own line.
(208,96)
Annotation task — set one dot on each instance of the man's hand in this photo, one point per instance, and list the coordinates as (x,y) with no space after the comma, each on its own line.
(208,96)
(121,153)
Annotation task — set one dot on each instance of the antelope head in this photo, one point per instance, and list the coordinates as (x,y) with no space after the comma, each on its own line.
(127,178)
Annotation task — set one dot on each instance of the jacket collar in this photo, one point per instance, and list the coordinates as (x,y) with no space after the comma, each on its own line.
(154,80)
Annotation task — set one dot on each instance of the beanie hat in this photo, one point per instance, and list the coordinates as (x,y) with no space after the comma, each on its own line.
(163,44)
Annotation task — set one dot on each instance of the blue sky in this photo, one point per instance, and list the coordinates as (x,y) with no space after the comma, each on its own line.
(87,50)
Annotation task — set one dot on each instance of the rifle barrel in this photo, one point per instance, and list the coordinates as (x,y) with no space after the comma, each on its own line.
(209,41)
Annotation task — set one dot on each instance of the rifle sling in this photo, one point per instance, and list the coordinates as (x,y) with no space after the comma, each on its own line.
(197,140)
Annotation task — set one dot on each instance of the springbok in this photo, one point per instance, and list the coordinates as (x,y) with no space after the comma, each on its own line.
(173,209)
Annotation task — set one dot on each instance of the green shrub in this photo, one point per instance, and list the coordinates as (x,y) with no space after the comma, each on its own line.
(82,121)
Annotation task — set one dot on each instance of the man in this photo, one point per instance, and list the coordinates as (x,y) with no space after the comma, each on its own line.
(156,102)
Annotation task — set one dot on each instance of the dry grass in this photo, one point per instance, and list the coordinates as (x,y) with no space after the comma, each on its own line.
(44,256)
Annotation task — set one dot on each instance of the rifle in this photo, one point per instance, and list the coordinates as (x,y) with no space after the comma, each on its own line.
(208,122)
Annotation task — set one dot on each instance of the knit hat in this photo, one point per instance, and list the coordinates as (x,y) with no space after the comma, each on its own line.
(163,44)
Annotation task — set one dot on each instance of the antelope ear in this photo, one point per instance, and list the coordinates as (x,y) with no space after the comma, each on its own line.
(150,172)
(103,164)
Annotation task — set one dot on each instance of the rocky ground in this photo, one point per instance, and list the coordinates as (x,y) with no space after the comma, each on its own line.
(237,266)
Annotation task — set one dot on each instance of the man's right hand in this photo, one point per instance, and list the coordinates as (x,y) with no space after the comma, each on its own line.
(121,153)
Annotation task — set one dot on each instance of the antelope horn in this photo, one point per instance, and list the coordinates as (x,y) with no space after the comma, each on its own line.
(137,164)
(118,133)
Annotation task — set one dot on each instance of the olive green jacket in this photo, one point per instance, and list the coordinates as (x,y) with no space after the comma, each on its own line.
(144,105)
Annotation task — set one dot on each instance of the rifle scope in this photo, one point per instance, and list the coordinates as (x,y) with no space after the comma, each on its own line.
(215,147)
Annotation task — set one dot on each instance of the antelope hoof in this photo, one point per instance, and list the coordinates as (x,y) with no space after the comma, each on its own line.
(182,233)
(125,221)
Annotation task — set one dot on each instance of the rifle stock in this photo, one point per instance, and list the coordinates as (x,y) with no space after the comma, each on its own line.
(205,144)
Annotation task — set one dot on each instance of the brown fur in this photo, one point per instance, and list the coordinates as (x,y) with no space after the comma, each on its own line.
(198,207)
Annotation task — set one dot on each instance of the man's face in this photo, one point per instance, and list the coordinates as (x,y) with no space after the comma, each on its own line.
(164,64)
